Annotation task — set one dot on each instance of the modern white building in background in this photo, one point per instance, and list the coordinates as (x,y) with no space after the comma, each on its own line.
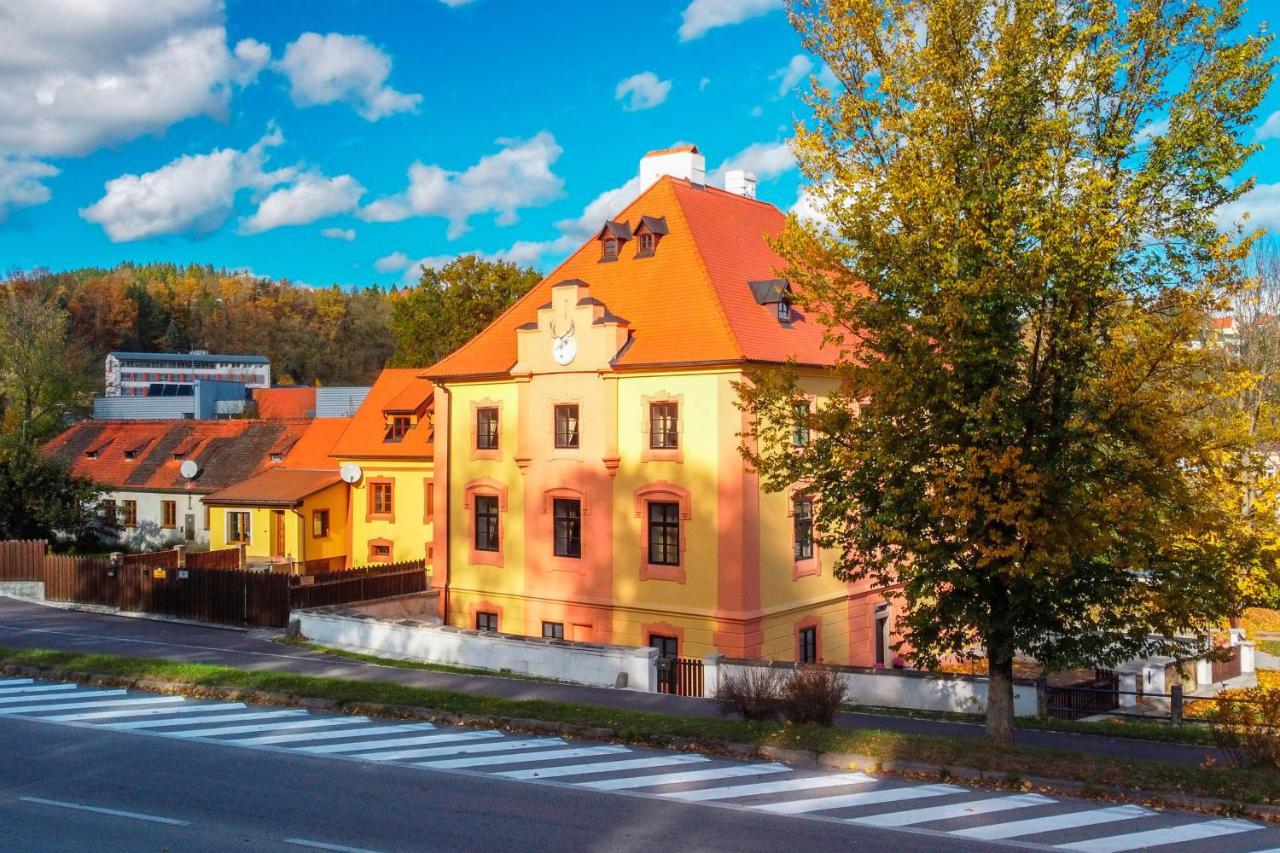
(145,374)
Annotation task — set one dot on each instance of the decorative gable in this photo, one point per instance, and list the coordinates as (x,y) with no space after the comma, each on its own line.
(574,331)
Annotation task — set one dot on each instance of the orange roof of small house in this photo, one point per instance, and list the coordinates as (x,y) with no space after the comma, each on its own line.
(288,402)
(275,487)
(690,303)
(148,455)
(396,391)
(314,447)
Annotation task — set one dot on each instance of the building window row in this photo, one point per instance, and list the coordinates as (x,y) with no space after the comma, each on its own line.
(664,426)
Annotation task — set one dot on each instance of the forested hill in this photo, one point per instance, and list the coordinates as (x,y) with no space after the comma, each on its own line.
(312,335)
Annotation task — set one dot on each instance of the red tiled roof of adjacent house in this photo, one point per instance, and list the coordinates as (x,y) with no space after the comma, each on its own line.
(396,391)
(314,446)
(275,487)
(285,403)
(226,451)
(690,303)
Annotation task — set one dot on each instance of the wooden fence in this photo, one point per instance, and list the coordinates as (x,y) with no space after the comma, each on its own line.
(225,595)
(226,558)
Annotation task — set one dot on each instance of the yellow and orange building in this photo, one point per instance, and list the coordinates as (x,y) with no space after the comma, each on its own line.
(587,477)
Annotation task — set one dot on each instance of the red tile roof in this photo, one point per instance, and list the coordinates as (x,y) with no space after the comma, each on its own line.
(226,451)
(396,391)
(282,403)
(688,304)
(275,487)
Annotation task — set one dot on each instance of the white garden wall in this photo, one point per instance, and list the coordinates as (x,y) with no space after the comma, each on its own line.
(582,663)
(899,688)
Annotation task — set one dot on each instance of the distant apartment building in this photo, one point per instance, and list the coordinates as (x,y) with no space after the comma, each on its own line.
(148,374)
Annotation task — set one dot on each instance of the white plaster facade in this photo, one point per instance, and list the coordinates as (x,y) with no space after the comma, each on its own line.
(149,533)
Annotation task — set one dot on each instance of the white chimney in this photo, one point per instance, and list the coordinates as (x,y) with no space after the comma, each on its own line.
(683,161)
(740,182)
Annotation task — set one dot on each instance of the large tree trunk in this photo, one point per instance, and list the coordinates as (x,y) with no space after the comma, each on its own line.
(1000,699)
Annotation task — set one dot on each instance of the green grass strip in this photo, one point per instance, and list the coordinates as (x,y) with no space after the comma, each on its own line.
(1014,763)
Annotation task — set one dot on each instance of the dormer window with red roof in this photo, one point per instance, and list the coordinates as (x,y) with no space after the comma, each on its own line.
(397,428)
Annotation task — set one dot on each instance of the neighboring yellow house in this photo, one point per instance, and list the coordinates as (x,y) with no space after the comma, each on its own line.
(389,441)
(283,516)
(294,512)
(591,483)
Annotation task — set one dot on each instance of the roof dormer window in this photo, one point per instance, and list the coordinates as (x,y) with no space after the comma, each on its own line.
(397,428)
(611,238)
(649,232)
(645,244)
(784,311)
(774,293)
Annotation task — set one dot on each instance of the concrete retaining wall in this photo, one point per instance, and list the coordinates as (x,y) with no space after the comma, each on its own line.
(899,688)
(23,589)
(581,663)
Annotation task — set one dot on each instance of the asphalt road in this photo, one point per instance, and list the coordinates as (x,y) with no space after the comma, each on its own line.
(27,625)
(92,768)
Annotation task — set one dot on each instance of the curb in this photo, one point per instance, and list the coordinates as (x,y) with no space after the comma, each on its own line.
(800,758)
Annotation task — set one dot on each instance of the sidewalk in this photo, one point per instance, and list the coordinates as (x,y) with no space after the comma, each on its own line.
(27,625)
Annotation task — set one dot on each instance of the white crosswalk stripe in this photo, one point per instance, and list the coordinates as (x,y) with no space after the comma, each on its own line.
(86,716)
(56,697)
(101,703)
(269,727)
(268,740)
(8,682)
(683,777)
(912,817)
(862,798)
(460,747)
(597,767)
(1167,835)
(1052,823)
(780,786)
(199,721)
(36,688)
(367,745)
(523,757)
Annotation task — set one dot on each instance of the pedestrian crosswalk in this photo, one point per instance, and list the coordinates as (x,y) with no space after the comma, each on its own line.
(860,799)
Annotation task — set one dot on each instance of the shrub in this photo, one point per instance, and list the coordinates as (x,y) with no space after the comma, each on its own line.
(1247,727)
(755,693)
(813,694)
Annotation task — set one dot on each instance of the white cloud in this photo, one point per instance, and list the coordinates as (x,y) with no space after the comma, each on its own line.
(251,57)
(312,196)
(703,15)
(410,268)
(347,234)
(1270,128)
(76,74)
(323,69)
(811,209)
(517,176)
(21,183)
(1261,204)
(766,159)
(642,91)
(194,193)
(790,75)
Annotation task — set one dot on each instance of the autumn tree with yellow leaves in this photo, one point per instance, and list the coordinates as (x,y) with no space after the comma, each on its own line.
(1016,248)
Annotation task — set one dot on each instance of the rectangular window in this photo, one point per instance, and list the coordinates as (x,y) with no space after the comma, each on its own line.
(553,630)
(239,527)
(802,517)
(664,425)
(486,621)
(130,513)
(206,518)
(397,428)
(800,435)
(568,524)
(380,552)
(807,645)
(380,498)
(664,534)
(428,500)
(486,509)
(320,523)
(610,249)
(107,511)
(168,514)
(487,428)
(567,426)
(644,244)
(668,647)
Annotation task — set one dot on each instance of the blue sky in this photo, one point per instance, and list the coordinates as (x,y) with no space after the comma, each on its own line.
(344,141)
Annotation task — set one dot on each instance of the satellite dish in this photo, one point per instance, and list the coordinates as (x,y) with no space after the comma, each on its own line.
(350,473)
(189,469)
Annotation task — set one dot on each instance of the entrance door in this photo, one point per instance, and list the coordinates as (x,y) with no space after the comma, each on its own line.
(189,527)
(668,649)
(277,533)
